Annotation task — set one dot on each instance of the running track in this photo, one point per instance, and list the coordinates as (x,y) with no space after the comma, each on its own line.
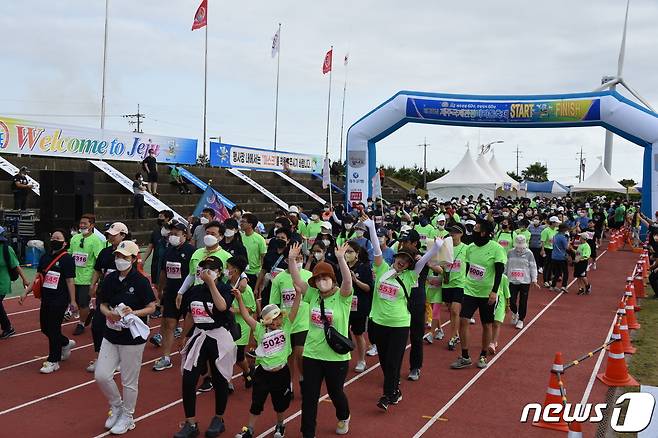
(444,402)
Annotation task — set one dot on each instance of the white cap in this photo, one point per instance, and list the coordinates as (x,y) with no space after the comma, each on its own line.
(469,222)
(554,219)
(326,225)
(519,241)
(560,208)
(293,209)
(128,247)
(269,313)
(116,228)
(587,205)
(586,234)
(440,218)
(405,228)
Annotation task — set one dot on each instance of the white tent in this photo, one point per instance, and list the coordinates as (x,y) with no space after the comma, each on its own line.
(466,178)
(502,175)
(599,181)
(484,165)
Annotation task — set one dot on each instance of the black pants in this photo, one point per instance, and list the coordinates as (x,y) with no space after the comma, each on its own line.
(333,374)
(519,292)
(181,186)
(560,269)
(653,281)
(207,357)
(273,383)
(138,206)
(547,265)
(538,258)
(416,332)
(20,200)
(97,329)
(391,343)
(51,316)
(5,324)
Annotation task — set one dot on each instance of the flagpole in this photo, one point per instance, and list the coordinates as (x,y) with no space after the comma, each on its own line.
(342,117)
(104,65)
(205,87)
(329,103)
(276,104)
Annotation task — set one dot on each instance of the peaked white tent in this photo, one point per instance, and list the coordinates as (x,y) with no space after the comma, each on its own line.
(484,165)
(466,178)
(502,175)
(599,181)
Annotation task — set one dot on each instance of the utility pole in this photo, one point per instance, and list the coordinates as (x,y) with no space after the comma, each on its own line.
(135,119)
(518,153)
(424,146)
(581,165)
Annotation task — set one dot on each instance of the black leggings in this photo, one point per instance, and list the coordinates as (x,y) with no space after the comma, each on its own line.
(207,357)
(547,265)
(5,324)
(50,318)
(416,332)
(391,343)
(560,269)
(520,292)
(333,374)
(97,328)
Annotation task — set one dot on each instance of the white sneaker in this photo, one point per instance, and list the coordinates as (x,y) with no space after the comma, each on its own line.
(372,351)
(360,366)
(471,321)
(66,350)
(123,424)
(515,318)
(49,367)
(519,324)
(594,266)
(343,427)
(427,337)
(91,367)
(540,270)
(438,334)
(113,416)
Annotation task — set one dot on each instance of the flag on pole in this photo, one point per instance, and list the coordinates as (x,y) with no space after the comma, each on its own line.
(376,186)
(347,55)
(275,43)
(326,66)
(326,174)
(201,16)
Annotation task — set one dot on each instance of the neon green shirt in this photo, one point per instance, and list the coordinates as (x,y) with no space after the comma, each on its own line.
(456,271)
(201,254)
(84,253)
(481,271)
(283,294)
(273,345)
(389,304)
(428,232)
(311,232)
(547,235)
(5,281)
(505,240)
(524,233)
(503,299)
(256,248)
(250,303)
(584,251)
(337,310)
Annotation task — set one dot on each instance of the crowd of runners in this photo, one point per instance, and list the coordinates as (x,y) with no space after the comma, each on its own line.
(291,305)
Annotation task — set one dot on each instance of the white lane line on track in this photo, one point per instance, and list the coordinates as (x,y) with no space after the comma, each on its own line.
(599,361)
(37,359)
(475,378)
(23,311)
(38,330)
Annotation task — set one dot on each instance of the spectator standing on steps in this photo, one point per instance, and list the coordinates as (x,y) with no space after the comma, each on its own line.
(178,181)
(21,188)
(138,196)
(150,166)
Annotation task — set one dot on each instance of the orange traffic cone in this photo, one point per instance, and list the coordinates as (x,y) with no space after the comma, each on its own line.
(616,371)
(645,271)
(630,313)
(612,244)
(553,395)
(626,337)
(638,283)
(575,430)
(629,292)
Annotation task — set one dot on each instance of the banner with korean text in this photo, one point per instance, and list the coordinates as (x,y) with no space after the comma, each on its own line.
(227,155)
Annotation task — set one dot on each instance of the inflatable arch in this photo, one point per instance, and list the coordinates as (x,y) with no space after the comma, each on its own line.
(608,109)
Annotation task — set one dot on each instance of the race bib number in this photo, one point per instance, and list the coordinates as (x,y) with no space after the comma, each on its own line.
(455,266)
(199,314)
(504,243)
(173,270)
(287,297)
(388,291)
(476,272)
(114,325)
(316,317)
(273,342)
(355,303)
(275,272)
(517,274)
(51,280)
(80,259)
(423,237)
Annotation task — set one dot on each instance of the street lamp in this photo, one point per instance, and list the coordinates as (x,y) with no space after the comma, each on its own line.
(486,147)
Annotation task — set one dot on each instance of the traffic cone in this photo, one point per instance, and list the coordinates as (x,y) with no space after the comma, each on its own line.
(638,282)
(553,395)
(629,292)
(645,271)
(612,244)
(630,312)
(616,371)
(626,337)
(575,430)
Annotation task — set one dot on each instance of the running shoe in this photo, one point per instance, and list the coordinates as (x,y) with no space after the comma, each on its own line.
(588,289)
(482,362)
(123,424)
(206,386)
(547,284)
(397,397)
(156,340)
(91,367)
(414,375)
(564,290)
(231,388)
(372,351)
(157,314)
(515,318)
(49,367)
(162,364)
(383,403)
(594,266)
(177,332)
(452,343)
(471,321)
(519,324)
(461,362)
(215,428)
(540,270)
(188,430)
(79,329)
(245,433)
(360,366)
(581,291)
(66,350)
(439,334)
(7,333)
(113,416)
(279,431)
(491,349)
(343,427)
(428,338)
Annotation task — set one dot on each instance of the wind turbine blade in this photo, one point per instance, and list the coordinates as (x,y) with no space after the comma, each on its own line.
(607,85)
(637,95)
(622,49)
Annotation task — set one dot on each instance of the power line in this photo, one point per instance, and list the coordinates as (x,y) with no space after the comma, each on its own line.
(518,154)
(135,119)
(581,165)
(424,146)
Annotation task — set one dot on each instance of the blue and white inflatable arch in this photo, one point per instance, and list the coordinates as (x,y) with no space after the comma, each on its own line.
(608,109)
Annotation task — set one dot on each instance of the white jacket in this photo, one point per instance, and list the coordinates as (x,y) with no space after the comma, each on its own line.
(521,267)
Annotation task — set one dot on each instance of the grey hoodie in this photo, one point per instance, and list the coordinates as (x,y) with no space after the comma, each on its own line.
(521,267)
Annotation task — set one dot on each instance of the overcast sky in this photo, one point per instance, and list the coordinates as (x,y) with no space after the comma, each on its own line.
(52,57)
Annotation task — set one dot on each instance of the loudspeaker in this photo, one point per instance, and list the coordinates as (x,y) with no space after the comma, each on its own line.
(65,196)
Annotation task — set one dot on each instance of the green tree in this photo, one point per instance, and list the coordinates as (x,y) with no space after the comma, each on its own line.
(535,172)
(514,176)
(627,183)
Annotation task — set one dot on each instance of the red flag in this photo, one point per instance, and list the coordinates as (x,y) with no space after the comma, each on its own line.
(326,67)
(201,16)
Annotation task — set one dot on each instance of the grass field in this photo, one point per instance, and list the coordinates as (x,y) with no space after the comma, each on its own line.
(643,363)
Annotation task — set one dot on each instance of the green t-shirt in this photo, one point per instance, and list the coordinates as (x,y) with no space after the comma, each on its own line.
(525,233)
(273,345)
(426,233)
(283,293)
(433,293)
(503,299)
(584,251)
(174,174)
(84,254)
(250,303)
(311,231)
(620,212)
(547,235)
(481,271)
(389,303)
(337,310)
(201,254)
(505,240)
(256,247)
(5,282)
(456,271)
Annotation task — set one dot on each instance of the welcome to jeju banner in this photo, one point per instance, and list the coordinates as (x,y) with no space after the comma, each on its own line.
(552,111)
(227,155)
(53,140)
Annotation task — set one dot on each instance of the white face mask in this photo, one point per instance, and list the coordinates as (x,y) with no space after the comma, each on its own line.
(324,285)
(213,274)
(83,231)
(326,242)
(535,223)
(299,266)
(440,227)
(520,218)
(204,220)
(318,255)
(403,223)
(314,217)
(348,226)
(174,240)
(209,240)
(226,273)
(505,213)
(122,264)
(164,232)
(229,233)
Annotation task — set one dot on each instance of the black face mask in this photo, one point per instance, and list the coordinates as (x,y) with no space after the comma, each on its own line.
(56,245)
(480,240)
(278,243)
(161,222)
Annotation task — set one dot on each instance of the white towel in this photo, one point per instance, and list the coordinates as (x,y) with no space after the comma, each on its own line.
(137,327)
